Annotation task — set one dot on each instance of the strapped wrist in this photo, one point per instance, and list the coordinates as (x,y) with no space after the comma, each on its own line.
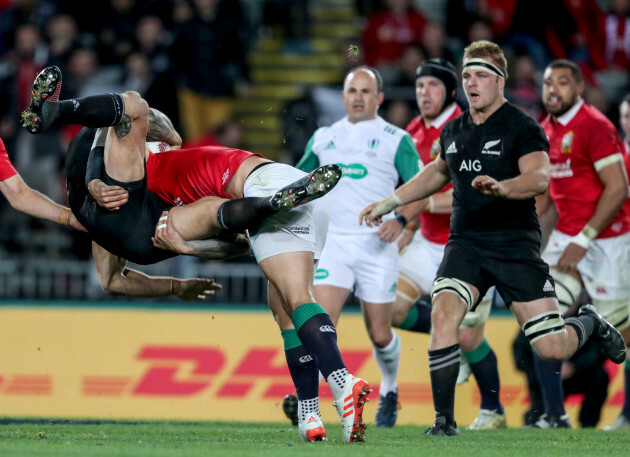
(64,216)
(402,220)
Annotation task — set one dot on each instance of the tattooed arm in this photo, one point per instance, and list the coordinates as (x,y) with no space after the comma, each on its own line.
(161,129)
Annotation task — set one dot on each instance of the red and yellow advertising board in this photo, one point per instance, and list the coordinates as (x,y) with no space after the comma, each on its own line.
(115,363)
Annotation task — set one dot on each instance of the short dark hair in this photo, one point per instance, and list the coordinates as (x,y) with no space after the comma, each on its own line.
(377,75)
(626,99)
(564,63)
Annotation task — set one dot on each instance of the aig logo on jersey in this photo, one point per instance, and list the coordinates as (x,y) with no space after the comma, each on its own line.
(493,148)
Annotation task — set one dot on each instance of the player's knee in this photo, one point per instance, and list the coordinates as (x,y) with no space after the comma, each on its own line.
(470,338)
(547,335)
(551,347)
(568,289)
(135,105)
(450,290)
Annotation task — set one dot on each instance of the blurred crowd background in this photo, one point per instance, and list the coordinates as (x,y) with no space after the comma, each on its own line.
(260,75)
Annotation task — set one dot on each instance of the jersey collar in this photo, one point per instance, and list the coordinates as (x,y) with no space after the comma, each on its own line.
(569,115)
(361,123)
(442,118)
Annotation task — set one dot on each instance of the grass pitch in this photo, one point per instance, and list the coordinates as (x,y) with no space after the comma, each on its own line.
(57,438)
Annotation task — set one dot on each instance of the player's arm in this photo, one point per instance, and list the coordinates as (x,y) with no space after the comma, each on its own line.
(224,246)
(431,179)
(29,201)
(161,129)
(533,179)
(612,173)
(117,279)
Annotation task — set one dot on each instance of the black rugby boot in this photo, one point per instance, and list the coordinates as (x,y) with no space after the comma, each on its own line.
(312,186)
(44,100)
(606,336)
(443,427)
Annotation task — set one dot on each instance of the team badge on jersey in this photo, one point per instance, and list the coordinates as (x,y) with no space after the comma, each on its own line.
(493,148)
(435,149)
(567,143)
(373,143)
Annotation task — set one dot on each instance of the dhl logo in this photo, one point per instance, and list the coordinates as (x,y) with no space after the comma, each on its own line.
(175,371)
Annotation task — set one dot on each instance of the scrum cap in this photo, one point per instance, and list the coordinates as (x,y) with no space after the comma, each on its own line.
(443,70)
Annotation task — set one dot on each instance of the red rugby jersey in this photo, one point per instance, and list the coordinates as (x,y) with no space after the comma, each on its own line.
(183,176)
(575,186)
(6,168)
(434,227)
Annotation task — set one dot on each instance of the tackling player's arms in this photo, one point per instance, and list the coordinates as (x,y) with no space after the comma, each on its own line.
(117,279)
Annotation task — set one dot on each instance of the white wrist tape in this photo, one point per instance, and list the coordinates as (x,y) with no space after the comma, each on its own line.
(431,204)
(386,205)
(581,240)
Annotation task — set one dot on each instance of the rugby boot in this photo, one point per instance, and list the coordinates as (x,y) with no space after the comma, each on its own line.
(290,408)
(350,409)
(621,423)
(606,336)
(488,420)
(552,421)
(387,411)
(312,186)
(44,100)
(312,429)
(443,427)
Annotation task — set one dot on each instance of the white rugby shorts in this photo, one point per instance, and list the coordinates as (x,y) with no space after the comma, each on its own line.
(604,269)
(360,262)
(303,229)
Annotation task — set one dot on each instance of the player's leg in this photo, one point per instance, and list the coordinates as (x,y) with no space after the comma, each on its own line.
(291,274)
(483,364)
(46,109)
(386,348)
(304,373)
(451,298)
(622,422)
(418,264)
(332,299)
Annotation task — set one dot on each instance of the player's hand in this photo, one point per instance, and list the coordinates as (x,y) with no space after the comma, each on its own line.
(167,237)
(109,197)
(367,216)
(404,239)
(194,289)
(488,186)
(570,258)
(389,231)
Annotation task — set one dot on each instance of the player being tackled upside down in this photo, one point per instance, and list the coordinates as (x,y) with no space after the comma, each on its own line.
(282,241)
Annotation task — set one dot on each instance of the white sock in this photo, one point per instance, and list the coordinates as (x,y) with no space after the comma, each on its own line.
(306,407)
(388,359)
(337,381)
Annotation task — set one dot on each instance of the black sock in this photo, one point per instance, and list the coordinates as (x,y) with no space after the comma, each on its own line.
(319,336)
(444,367)
(548,372)
(483,364)
(584,326)
(418,319)
(302,366)
(244,213)
(93,111)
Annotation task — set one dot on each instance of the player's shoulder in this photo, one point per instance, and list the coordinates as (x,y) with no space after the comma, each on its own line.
(596,118)
(390,131)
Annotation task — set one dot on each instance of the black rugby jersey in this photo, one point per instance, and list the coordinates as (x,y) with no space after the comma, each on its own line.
(126,232)
(492,148)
